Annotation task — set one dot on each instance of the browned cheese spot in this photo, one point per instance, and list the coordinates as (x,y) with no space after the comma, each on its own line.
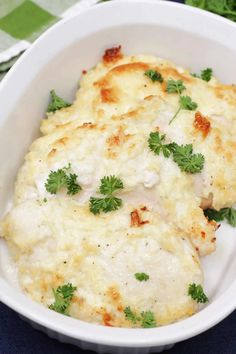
(61,141)
(112,55)
(202,124)
(52,152)
(106,319)
(108,95)
(136,219)
(113,293)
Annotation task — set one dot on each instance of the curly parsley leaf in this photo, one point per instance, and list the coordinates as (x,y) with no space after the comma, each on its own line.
(130,315)
(185,102)
(63,296)
(60,179)
(56,180)
(196,292)
(156,144)
(148,319)
(154,75)
(96,205)
(56,102)
(182,155)
(141,276)
(228,214)
(111,203)
(205,75)
(175,86)
(72,185)
(186,160)
(109,184)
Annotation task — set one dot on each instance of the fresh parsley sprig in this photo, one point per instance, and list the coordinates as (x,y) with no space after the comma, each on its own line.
(154,75)
(185,159)
(185,102)
(104,204)
(62,179)
(175,86)
(182,155)
(56,102)
(141,276)
(131,316)
(196,292)
(146,318)
(109,185)
(72,185)
(228,214)
(56,180)
(156,144)
(63,296)
(205,75)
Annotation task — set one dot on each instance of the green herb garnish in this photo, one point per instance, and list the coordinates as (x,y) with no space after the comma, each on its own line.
(104,204)
(130,315)
(56,180)
(154,75)
(72,186)
(185,102)
(141,276)
(182,155)
(146,318)
(56,102)
(156,144)
(175,86)
(61,179)
(185,159)
(63,296)
(196,292)
(109,185)
(228,214)
(205,75)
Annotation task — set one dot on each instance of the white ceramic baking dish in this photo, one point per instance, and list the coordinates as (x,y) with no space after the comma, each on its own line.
(188,36)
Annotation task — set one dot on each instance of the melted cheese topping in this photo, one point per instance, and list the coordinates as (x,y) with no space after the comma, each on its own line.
(105,132)
(63,242)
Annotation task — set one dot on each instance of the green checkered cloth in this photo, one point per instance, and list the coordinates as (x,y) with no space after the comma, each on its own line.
(22,21)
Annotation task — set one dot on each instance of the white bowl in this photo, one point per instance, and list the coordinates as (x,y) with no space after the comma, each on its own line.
(188,36)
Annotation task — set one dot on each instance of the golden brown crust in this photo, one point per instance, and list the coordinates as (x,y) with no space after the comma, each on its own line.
(136,220)
(202,124)
(112,55)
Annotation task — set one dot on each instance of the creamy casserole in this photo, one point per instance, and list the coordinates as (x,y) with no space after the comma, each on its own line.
(108,216)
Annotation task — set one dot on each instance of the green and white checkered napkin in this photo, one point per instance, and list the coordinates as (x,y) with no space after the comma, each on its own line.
(22,21)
